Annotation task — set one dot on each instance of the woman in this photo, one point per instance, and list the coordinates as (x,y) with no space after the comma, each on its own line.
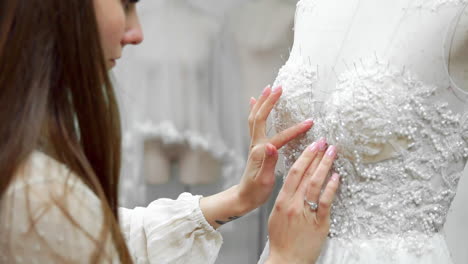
(60,161)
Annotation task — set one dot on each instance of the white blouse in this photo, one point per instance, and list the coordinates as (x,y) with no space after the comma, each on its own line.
(48,215)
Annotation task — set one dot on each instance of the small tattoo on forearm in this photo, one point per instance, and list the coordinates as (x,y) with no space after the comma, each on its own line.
(232,218)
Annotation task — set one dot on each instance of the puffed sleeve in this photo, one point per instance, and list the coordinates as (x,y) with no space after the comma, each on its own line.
(170,231)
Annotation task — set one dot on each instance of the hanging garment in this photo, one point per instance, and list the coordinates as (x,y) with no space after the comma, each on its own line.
(167,89)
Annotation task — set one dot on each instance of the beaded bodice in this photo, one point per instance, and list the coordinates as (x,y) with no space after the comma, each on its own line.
(377,110)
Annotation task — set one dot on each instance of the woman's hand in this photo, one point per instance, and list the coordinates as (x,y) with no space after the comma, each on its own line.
(258,180)
(296,231)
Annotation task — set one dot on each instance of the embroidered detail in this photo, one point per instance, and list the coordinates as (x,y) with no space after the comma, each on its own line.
(401,152)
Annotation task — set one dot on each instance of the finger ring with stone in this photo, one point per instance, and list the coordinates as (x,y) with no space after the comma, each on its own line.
(313,206)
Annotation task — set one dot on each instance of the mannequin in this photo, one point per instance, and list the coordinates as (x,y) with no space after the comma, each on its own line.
(353,64)
(340,46)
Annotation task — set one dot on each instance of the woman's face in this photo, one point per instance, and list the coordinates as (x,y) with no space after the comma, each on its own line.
(118,26)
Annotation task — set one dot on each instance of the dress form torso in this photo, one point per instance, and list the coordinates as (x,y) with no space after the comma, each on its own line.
(373,75)
(404,34)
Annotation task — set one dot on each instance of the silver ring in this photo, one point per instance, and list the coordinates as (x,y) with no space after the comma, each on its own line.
(313,206)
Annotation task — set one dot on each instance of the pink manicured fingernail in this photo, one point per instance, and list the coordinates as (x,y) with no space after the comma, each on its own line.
(322,144)
(252,101)
(277,89)
(266,90)
(308,122)
(313,147)
(331,151)
(335,177)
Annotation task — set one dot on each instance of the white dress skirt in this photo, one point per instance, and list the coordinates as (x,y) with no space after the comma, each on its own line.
(392,249)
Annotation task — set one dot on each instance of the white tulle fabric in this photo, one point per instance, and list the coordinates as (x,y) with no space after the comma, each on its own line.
(402,135)
(35,230)
(396,249)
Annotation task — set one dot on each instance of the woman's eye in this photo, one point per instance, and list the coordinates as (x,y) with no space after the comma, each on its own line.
(127,4)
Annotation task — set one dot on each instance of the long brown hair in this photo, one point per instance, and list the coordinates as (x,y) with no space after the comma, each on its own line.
(54,87)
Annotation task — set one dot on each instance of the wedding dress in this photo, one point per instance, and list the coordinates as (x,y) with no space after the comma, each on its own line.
(373,75)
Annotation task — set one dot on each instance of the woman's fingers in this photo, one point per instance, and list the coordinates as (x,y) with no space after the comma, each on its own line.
(321,146)
(259,127)
(253,112)
(252,103)
(266,174)
(298,170)
(259,112)
(318,178)
(265,94)
(326,200)
(262,158)
(280,139)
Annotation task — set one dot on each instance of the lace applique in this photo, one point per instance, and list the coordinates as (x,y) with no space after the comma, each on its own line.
(377,109)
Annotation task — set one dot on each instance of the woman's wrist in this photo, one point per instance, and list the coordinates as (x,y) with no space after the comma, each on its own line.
(278,259)
(224,207)
(244,205)
(272,260)
(275,260)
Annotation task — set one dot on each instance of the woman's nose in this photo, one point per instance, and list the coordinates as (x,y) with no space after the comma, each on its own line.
(133,35)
